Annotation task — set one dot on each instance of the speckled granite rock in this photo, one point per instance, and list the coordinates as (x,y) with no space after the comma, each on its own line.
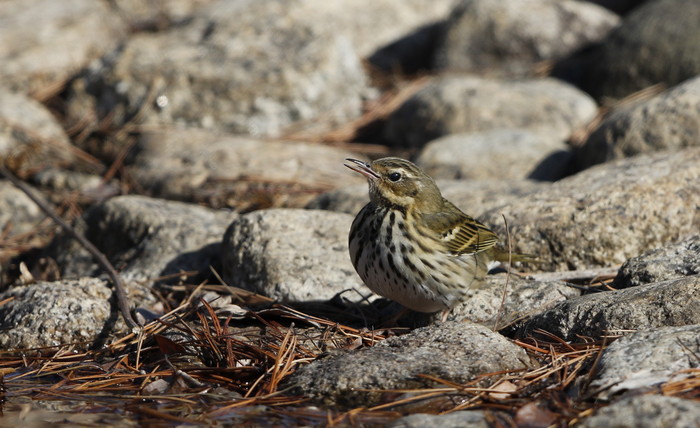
(604,215)
(669,303)
(452,351)
(77,311)
(455,104)
(291,255)
(668,262)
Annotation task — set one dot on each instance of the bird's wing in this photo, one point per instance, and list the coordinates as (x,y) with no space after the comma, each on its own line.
(460,233)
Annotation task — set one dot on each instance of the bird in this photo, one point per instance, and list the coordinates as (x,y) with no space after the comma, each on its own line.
(411,245)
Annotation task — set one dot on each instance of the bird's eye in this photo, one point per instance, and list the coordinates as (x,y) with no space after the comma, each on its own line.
(395,176)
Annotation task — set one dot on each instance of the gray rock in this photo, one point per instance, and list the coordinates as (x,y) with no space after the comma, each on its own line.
(668,121)
(670,303)
(291,255)
(452,351)
(655,43)
(348,199)
(248,67)
(44,44)
(18,214)
(668,262)
(646,411)
(371,24)
(472,196)
(457,104)
(510,37)
(223,170)
(485,303)
(69,181)
(641,361)
(606,214)
(462,419)
(29,132)
(146,238)
(493,154)
(394,35)
(478,196)
(57,313)
(23,113)
(154,16)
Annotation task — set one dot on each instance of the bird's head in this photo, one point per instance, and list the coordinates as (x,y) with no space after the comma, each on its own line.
(398,183)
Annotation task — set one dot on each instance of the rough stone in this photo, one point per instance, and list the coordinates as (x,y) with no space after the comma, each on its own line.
(646,411)
(475,197)
(291,255)
(641,361)
(604,215)
(371,25)
(58,313)
(146,238)
(452,351)
(668,121)
(247,67)
(668,262)
(485,303)
(394,35)
(63,180)
(459,104)
(348,199)
(18,214)
(224,170)
(29,132)
(511,37)
(154,16)
(658,42)
(669,303)
(494,154)
(45,42)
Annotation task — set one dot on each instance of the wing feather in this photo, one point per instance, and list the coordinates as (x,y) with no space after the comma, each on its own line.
(460,233)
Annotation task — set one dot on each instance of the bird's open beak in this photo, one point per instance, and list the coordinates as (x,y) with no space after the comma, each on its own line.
(363,168)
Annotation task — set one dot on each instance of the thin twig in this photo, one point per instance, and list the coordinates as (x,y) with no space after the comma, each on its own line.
(189,379)
(505,288)
(119,288)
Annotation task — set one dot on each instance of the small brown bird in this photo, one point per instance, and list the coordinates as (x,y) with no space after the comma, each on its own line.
(413,246)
